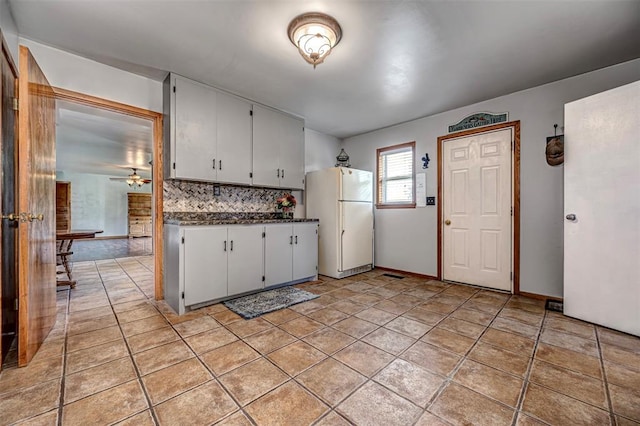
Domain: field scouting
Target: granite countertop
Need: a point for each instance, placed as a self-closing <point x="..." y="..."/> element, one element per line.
<point x="208" y="218"/>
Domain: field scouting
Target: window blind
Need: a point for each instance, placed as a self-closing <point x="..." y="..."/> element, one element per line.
<point x="395" y="176"/>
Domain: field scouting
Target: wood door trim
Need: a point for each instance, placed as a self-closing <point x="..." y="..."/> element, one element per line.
<point x="515" y="125"/>
<point x="23" y="182"/>
<point x="7" y="53"/>
<point x="14" y="70"/>
<point x="158" y="158"/>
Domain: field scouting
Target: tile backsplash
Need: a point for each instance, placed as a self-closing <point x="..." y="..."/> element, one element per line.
<point x="188" y="196"/>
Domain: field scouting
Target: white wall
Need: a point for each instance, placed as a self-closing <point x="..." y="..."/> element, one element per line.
<point x="9" y="29"/>
<point x="73" y="72"/>
<point x="406" y="239"/>
<point x="98" y="202"/>
<point x="320" y="150"/>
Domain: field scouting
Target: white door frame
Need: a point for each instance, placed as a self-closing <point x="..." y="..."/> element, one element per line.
<point x="515" y="180"/>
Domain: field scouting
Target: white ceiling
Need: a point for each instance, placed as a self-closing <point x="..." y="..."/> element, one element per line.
<point x="96" y="141"/>
<point x="398" y="60"/>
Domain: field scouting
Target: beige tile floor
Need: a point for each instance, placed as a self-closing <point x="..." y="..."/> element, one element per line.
<point x="372" y="350"/>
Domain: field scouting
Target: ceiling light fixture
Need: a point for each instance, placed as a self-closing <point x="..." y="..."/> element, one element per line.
<point x="135" y="179"/>
<point x="314" y="34"/>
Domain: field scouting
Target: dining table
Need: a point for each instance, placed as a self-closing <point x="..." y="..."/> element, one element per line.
<point x="64" y="244"/>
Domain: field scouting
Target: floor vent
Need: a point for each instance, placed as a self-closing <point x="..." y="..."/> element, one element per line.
<point x="554" y="305"/>
<point x="400" y="277"/>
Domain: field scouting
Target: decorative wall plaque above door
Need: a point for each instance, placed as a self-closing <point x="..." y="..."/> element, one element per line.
<point x="479" y="119"/>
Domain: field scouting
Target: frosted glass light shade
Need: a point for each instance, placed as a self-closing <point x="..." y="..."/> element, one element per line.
<point x="314" y="34"/>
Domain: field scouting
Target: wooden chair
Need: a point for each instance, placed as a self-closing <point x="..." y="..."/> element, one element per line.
<point x="63" y="258"/>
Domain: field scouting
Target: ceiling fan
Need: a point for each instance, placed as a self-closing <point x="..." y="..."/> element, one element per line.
<point x="134" y="179"/>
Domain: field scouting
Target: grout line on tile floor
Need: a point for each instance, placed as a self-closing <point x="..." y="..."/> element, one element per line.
<point x="125" y="269"/>
<point x="525" y="384"/>
<point x="64" y="356"/>
<point x="604" y="377"/>
<point x="449" y="378"/>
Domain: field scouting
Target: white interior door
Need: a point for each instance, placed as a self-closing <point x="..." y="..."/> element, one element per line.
<point x="356" y="247"/>
<point x="601" y="188"/>
<point x="476" y="228"/>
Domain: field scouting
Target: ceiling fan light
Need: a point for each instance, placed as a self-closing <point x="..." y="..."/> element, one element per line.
<point x="315" y="35"/>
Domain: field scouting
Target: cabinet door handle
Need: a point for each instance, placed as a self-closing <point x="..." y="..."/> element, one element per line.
<point x="214" y="164"/>
<point x="291" y="239"/>
<point x="296" y="239"/>
<point x="225" y="245"/>
<point x="231" y="245"/>
<point x="278" y="173"/>
<point x="220" y="164"/>
<point x="282" y="173"/>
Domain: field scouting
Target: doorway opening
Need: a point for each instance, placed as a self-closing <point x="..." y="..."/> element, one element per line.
<point x="149" y="169"/>
<point x="479" y="207"/>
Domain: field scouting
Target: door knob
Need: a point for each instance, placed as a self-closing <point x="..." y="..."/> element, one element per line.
<point x="447" y="222"/>
<point x="31" y="217"/>
<point x="571" y="217"/>
<point x="11" y="216"/>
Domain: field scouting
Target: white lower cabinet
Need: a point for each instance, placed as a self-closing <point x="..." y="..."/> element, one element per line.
<point x="244" y="264"/>
<point x="291" y="252"/>
<point x="205" y="264"/>
<point x="209" y="263"/>
<point x="305" y="250"/>
<point x="278" y="254"/>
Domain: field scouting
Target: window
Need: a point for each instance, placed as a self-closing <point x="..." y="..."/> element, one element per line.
<point x="396" y="177"/>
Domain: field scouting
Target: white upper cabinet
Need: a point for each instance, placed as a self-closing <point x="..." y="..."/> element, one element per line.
<point x="207" y="133"/>
<point x="193" y="138"/>
<point x="278" y="149"/>
<point x="291" y="153"/>
<point x="266" y="147"/>
<point x="234" y="139"/>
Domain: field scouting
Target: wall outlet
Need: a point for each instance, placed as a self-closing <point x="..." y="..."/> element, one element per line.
<point x="216" y="190"/>
<point x="431" y="201"/>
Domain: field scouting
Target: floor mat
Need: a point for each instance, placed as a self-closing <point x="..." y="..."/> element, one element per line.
<point x="254" y="305"/>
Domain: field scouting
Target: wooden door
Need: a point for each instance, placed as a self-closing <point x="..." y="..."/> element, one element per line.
<point x="476" y="209"/>
<point x="36" y="196"/>
<point x="63" y="206"/>
<point x="602" y="209"/>
<point x="8" y="229"/>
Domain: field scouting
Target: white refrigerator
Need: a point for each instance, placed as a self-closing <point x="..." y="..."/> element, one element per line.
<point x="342" y="198"/>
